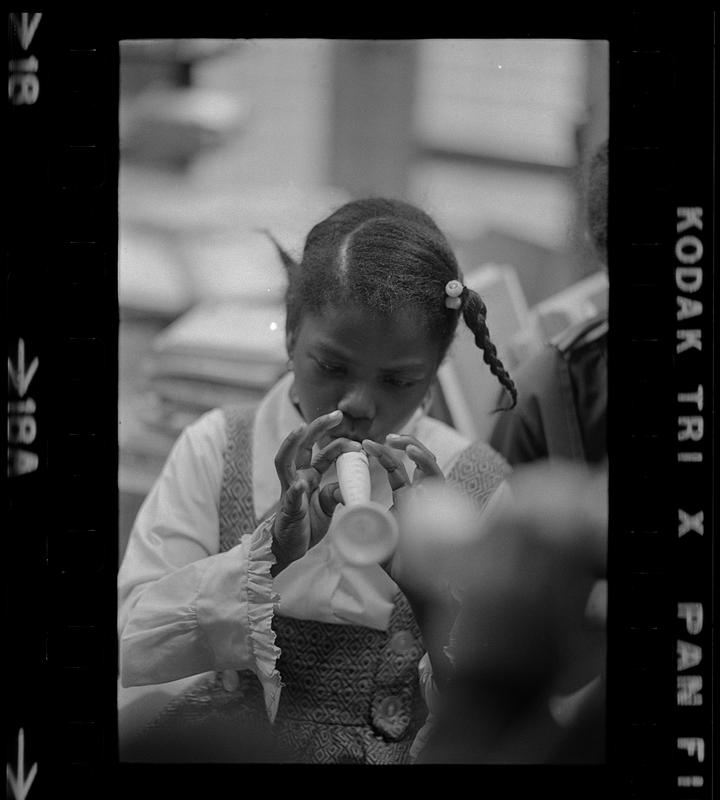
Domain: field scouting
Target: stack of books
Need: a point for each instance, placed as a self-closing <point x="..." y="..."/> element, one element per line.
<point x="220" y="352"/>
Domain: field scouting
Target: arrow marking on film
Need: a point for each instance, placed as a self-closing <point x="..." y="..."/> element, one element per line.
<point x="20" y="378"/>
<point x="20" y="785"/>
<point x="26" y="26"/>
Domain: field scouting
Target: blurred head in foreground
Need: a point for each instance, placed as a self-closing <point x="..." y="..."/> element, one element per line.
<point x="530" y="629"/>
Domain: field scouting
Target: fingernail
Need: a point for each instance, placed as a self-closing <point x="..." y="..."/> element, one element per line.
<point x="393" y="436"/>
<point x="337" y="414"/>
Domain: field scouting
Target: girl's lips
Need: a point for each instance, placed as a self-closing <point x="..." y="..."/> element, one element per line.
<point x="332" y="436"/>
<point x="355" y="437"/>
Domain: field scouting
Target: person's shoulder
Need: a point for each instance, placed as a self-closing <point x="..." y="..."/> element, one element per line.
<point x="582" y="334"/>
<point x="533" y="371"/>
<point x="478" y="471"/>
<point x="200" y="444"/>
<point x="239" y="414"/>
<point x="207" y="422"/>
<point x="485" y="455"/>
<point x="208" y="436"/>
<point x="238" y="423"/>
<point x="454" y="448"/>
<point x="206" y="433"/>
<point x="212" y="428"/>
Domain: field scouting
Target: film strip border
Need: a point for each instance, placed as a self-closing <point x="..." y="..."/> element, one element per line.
<point x="694" y="398"/>
<point x="61" y="330"/>
<point x="661" y="228"/>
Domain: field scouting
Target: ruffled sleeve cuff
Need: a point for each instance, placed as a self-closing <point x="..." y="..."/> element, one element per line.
<point x="262" y="604"/>
<point x="235" y="606"/>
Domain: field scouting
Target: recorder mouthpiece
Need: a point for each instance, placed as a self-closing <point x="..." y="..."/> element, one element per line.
<point x="364" y="531"/>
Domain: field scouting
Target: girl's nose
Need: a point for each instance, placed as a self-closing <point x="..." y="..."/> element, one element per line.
<point x="358" y="403"/>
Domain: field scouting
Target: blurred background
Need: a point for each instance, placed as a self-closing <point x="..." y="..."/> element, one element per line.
<point x="221" y="140"/>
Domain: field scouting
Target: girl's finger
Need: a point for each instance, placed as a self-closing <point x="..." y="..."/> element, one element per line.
<point x="426" y="463"/>
<point x="327" y="456"/>
<point x="401" y="441"/>
<point x="397" y="474"/>
<point x="329" y="497"/>
<point x="290" y="525"/>
<point x="319" y="426"/>
<point x="291" y="504"/>
<point x="416" y="450"/>
<point x="285" y="458"/>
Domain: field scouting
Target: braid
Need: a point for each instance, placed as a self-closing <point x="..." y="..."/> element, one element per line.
<point x="474" y="313"/>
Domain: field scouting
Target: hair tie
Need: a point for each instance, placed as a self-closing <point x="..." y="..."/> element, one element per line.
<point x="453" y="290"/>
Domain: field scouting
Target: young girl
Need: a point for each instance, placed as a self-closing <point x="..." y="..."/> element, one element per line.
<point x="228" y="574"/>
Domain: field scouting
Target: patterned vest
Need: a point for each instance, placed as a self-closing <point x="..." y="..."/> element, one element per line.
<point x="350" y="694"/>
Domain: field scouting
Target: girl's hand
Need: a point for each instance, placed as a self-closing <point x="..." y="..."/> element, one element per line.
<point x="304" y="511"/>
<point x="403" y="488"/>
<point x="426" y="465"/>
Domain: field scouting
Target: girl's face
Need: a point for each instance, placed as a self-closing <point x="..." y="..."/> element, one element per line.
<point x="376" y="370"/>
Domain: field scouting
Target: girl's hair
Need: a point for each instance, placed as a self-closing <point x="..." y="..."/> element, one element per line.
<point x="387" y="256"/>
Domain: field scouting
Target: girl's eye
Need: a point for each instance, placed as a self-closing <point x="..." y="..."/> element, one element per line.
<point x="399" y="383"/>
<point x="330" y="369"/>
